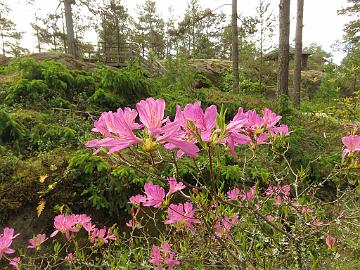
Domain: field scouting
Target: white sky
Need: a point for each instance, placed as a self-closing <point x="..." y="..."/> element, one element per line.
<point x="321" y="22"/>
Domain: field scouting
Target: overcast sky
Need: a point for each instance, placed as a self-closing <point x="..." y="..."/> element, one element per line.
<point x="321" y="22"/>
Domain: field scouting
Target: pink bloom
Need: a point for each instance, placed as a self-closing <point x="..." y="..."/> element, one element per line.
<point x="233" y="194"/>
<point x="330" y="241"/>
<point x="69" y="224"/>
<point x="248" y="196"/>
<point x="173" y="137"/>
<point x="254" y="120"/>
<point x="154" y="195"/>
<point x="236" y="139"/>
<point x="269" y="218"/>
<point x="156" y="257"/>
<point x="174" y="186"/>
<point x="137" y="199"/>
<point x="183" y="213"/>
<point x="151" y="113"/>
<point x="6" y="239"/>
<point x="315" y="222"/>
<point x="116" y="129"/>
<point x="305" y="210"/>
<point x="70" y="257"/>
<point x="204" y="121"/>
<point x="101" y="235"/>
<point x="15" y="262"/>
<point x="37" y="240"/>
<point x="270" y="118"/>
<point x="163" y="256"/>
<point x="351" y="144"/>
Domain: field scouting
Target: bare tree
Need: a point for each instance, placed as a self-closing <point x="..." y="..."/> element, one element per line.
<point x="235" y="48"/>
<point x="298" y="52"/>
<point x="284" y="47"/>
<point x="69" y="27"/>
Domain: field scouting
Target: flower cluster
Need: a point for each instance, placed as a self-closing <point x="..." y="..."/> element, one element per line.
<point x="6" y="239"/>
<point x="70" y="224"/>
<point x="155" y="195"/>
<point x="223" y="227"/>
<point x="190" y="128"/>
<point x="236" y="193"/>
<point x="351" y="144"/>
<point x="279" y="193"/>
<point x="163" y="256"/>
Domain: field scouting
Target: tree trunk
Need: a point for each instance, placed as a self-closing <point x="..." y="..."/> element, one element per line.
<point x="298" y="53"/>
<point x="283" y="61"/>
<point x="235" y="48"/>
<point x="69" y="27"/>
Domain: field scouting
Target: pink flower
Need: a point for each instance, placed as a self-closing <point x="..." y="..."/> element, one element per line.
<point x="155" y="195"/>
<point x="70" y="257"/>
<point x="6" y="239"/>
<point x="279" y="192"/>
<point x="163" y="256"/>
<point x="204" y="121"/>
<point x="173" y="137"/>
<point x="315" y="222"/>
<point x="15" y="262"/>
<point x="151" y="113"/>
<point x="137" y="199"/>
<point x="182" y="213"/>
<point x="235" y="139"/>
<point x="174" y="186"/>
<point x="248" y="196"/>
<point x="270" y="118"/>
<point x="222" y="229"/>
<point x="37" y="240"/>
<point x="101" y="236"/>
<point x="351" y="144"/>
<point x="69" y="224"/>
<point x="117" y="130"/>
<point x="156" y="257"/>
<point x="233" y="194"/>
<point x="330" y="241"/>
<point x="269" y="218"/>
<point x="305" y="210"/>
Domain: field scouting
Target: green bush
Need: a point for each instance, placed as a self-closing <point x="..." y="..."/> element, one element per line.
<point x="10" y="129"/>
<point x="105" y="100"/>
<point x="27" y="92"/>
<point x="48" y="136"/>
<point x="129" y="82"/>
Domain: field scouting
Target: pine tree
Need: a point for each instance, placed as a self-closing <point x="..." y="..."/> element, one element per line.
<point x="10" y="37"/>
<point x="150" y="29"/>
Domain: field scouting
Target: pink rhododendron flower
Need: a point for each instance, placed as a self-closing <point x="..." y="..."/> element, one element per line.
<point x="351" y="144"/>
<point x="316" y="222"/>
<point x="204" y="121"/>
<point x="69" y="224"/>
<point x="163" y="256"/>
<point x="117" y="131"/>
<point x="6" y="239"/>
<point x="37" y="240"/>
<point x="137" y="199"/>
<point x="270" y="118"/>
<point x="248" y="196"/>
<point x="233" y="194"/>
<point x="70" y="257"/>
<point x="279" y="192"/>
<point x="182" y="213"/>
<point x="101" y="236"/>
<point x="155" y="195"/>
<point x="269" y="218"/>
<point x="174" y="186"/>
<point x="330" y="241"/>
<point x="223" y="228"/>
<point x="15" y="263"/>
<point x="156" y="257"/>
<point x="151" y="113"/>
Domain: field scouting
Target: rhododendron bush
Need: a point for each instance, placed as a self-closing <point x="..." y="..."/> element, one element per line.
<point x="201" y="221"/>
